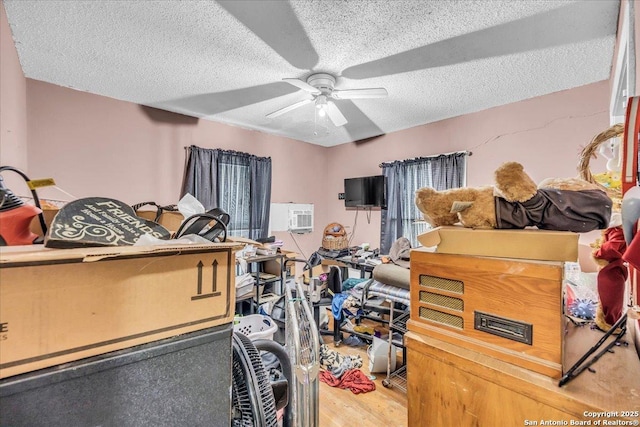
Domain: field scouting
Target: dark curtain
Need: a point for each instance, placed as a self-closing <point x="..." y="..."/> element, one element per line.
<point x="239" y="183"/>
<point x="260" y="184"/>
<point x="200" y="177"/>
<point x="403" y="179"/>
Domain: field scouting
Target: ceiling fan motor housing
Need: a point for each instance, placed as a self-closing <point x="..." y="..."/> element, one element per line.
<point x="323" y="82"/>
<point x="321" y="87"/>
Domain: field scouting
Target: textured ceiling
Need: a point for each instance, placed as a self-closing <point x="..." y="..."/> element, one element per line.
<point x="225" y="60"/>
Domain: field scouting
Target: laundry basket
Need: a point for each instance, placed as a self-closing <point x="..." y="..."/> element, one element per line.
<point x="335" y="237"/>
<point x="255" y="326"/>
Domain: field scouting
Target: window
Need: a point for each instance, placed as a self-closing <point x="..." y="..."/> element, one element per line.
<point x="234" y="180"/>
<point x="238" y="183"/>
<point x="402" y="218"/>
<point x="625" y="73"/>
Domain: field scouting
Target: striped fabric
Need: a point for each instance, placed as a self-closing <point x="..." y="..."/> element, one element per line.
<point x="377" y="289"/>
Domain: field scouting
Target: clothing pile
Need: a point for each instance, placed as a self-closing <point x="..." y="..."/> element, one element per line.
<point x="333" y="361"/>
<point x="353" y="379"/>
<point x="342" y="371"/>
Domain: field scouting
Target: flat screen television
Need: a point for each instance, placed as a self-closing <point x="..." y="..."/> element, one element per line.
<point x="366" y="191"/>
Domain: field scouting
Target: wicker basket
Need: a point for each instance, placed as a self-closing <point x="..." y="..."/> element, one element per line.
<point x="335" y="237"/>
<point x="590" y="152"/>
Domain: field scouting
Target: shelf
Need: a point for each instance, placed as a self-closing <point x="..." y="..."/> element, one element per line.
<point x="397" y="379"/>
<point x="400" y="323"/>
<point x="398" y="343"/>
<point x="245" y="297"/>
<point x="397" y="329"/>
<point x="366" y="337"/>
<point x="264" y="281"/>
<point x="266" y="285"/>
<point x="265" y="298"/>
<point x="261" y="258"/>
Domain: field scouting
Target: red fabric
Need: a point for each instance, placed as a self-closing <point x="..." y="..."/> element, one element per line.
<point x="612" y="277"/>
<point x="353" y="379"/>
<point x="632" y="256"/>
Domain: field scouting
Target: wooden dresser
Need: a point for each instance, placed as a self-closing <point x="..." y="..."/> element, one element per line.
<point x="510" y="309"/>
<point x="487" y="345"/>
<point x="450" y="385"/>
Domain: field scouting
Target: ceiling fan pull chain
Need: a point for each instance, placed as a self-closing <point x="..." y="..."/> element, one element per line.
<point x="315" y="122"/>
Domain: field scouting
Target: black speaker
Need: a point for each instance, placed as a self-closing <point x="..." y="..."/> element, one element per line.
<point x="180" y="381"/>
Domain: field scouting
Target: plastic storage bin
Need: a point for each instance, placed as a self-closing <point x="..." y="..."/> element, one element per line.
<point x="255" y="326"/>
<point x="378" y="353"/>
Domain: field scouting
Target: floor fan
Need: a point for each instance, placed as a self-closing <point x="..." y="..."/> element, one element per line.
<point x="253" y="404"/>
<point x="258" y="395"/>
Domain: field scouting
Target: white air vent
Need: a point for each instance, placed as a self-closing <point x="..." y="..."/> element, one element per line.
<point x="301" y="221"/>
<point x="292" y="217"/>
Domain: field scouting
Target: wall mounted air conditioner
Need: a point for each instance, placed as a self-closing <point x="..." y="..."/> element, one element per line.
<point x="291" y="217"/>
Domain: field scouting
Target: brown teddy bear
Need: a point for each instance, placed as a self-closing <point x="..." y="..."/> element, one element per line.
<point x="515" y="201"/>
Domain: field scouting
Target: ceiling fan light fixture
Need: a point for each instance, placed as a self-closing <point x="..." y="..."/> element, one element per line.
<point x="321" y="105"/>
<point x="322" y="87"/>
<point x="321" y="102"/>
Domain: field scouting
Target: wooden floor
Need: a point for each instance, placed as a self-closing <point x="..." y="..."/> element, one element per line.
<point x="384" y="407"/>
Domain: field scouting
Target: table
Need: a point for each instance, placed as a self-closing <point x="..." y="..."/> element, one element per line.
<point x="358" y="264"/>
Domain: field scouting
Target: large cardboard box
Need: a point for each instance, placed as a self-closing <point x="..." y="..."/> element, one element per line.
<point x="61" y="305"/>
<point x="510" y="309"/>
<point x="530" y="244"/>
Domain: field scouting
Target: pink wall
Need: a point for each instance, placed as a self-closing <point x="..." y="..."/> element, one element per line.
<point x="13" y="111"/>
<point x="545" y="134"/>
<point x="94" y="145"/>
<point x="98" y="146"/>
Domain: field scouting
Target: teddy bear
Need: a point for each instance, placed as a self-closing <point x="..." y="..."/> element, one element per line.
<point x="515" y="201"/>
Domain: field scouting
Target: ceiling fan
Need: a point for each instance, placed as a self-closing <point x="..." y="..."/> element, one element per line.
<point x="321" y="87"/>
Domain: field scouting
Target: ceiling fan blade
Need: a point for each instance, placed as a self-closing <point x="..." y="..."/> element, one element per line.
<point x="360" y="93"/>
<point x="360" y="126"/>
<point x="335" y="115"/>
<point x="276" y="23"/>
<point x="209" y="104"/>
<point x="289" y="108"/>
<point x="513" y="37"/>
<point x="303" y="85"/>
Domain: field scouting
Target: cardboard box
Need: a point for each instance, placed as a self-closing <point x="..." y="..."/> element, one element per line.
<point x="61" y="305"/>
<point x="531" y="244"/>
<point x="323" y="267"/>
<point x="169" y="220"/>
<point x="274" y="266"/>
<point x="506" y="308"/>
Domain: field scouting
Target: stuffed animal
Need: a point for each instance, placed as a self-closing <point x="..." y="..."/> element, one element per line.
<point x="612" y="276"/>
<point x="515" y="201"/>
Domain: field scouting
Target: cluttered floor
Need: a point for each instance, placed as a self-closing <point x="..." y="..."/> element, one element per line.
<point x="340" y="407"/>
